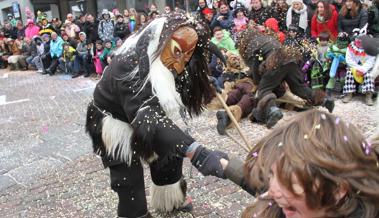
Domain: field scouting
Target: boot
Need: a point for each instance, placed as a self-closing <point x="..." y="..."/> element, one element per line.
<point x="369" y="100"/>
<point x="328" y="104"/>
<point x="347" y="98"/>
<point x="223" y="121"/>
<point x="273" y="116"/>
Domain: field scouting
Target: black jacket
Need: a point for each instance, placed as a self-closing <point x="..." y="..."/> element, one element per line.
<point x="348" y="23"/>
<point x="121" y="30"/>
<point x="91" y="31"/>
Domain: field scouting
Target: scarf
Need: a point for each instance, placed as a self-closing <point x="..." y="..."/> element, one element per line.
<point x="303" y="22"/>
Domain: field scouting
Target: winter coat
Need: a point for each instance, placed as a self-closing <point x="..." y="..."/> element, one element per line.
<point x="31" y="31"/>
<point x="373" y="19"/>
<point x="348" y="23"/>
<point x="91" y="30"/>
<point x="106" y="28"/>
<point x="226" y="42"/>
<point x="70" y="54"/>
<point x="56" y="47"/>
<point x="330" y="26"/>
<point x="260" y="16"/>
<point x="121" y="30"/>
<point x="225" y="23"/>
<point x="105" y="54"/>
<point x="296" y="20"/>
<point x="11" y="33"/>
<point x="240" y="24"/>
<point x="82" y="48"/>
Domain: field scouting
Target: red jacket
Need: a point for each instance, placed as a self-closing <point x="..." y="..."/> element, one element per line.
<point x="330" y="26"/>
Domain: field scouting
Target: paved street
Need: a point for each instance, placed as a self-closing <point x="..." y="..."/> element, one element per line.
<point x="47" y="168"/>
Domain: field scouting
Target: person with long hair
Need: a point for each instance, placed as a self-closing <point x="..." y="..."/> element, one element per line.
<point x="317" y="165"/>
<point x="299" y="15"/>
<point x="352" y="16"/>
<point x="325" y="19"/>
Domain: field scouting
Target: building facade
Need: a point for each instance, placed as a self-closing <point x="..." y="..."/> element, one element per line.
<point x="60" y="8"/>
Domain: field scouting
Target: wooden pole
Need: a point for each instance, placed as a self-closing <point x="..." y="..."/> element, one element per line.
<point x="233" y="119"/>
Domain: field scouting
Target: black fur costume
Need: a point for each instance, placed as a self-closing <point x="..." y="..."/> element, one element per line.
<point x="130" y="116"/>
<point x="270" y="65"/>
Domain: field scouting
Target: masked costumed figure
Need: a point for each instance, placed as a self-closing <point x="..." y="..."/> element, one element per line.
<point x="159" y="71"/>
<point x="238" y="91"/>
<point x="271" y="64"/>
<point x="359" y="65"/>
<point x="335" y="58"/>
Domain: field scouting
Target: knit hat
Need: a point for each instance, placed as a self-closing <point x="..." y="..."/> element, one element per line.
<point x="83" y="33"/>
<point x="240" y="9"/>
<point x="298" y="1"/>
<point x="29" y="21"/>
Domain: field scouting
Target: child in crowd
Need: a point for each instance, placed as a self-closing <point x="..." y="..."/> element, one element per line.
<point x="67" y="60"/>
<point x="96" y="58"/>
<point x="336" y="63"/>
<point x="300" y="169"/>
<point x="105" y="57"/>
<point x="322" y="46"/>
<point x="240" y="20"/>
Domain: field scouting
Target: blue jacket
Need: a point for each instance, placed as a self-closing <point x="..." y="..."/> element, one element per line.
<point x="56" y="47"/>
<point x="225" y="23"/>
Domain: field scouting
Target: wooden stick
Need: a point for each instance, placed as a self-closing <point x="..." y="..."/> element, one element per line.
<point x="236" y="141"/>
<point x="233" y="119"/>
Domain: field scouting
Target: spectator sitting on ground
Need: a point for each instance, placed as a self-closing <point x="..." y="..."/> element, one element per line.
<point x="240" y="20"/>
<point x="15" y="50"/>
<point x="80" y="63"/>
<point x="221" y="38"/>
<point x="45" y="57"/>
<point x="37" y="50"/>
<point x="20" y="30"/>
<point x="352" y="16"/>
<point x="26" y="45"/>
<point x="224" y="18"/>
<point x="71" y="41"/>
<point x="4" y="53"/>
<point x="96" y="58"/>
<point x="299" y="15"/>
<point x="325" y="19"/>
<point x="106" y="26"/>
<point x="373" y="19"/>
<point x="106" y="55"/>
<point x="10" y="31"/>
<point x="31" y="29"/>
<point x="56" y="52"/>
<point x="67" y="60"/>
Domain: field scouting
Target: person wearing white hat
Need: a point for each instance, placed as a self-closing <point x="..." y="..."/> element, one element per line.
<point x="299" y="15"/>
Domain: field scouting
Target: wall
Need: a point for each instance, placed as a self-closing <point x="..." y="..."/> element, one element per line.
<point x="22" y="4"/>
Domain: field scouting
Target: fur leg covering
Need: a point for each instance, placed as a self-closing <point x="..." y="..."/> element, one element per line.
<point x="237" y="113"/>
<point x="318" y="97"/>
<point x="259" y="113"/>
<point x="292" y="99"/>
<point x="166" y="198"/>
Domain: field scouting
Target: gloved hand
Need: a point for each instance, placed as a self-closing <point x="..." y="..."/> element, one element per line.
<point x="208" y="162"/>
<point x="213" y="82"/>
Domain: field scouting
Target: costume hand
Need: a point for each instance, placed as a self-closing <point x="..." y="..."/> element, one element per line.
<point x="208" y="162"/>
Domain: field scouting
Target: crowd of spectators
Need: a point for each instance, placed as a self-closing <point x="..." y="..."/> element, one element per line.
<point x="84" y="45"/>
